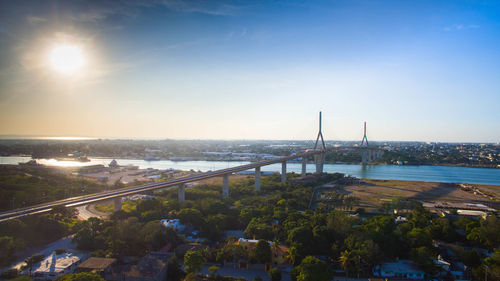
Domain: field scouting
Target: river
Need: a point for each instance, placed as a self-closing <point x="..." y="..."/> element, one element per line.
<point x="384" y="172"/>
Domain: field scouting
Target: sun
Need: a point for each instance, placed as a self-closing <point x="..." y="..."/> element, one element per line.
<point x="67" y="59"/>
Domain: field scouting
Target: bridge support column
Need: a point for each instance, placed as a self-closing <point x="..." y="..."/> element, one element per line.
<point x="117" y="202"/>
<point x="363" y="157"/>
<point x="257" y="178"/>
<point x="319" y="159"/>
<point x="283" y="172"/>
<point x="304" y="162"/>
<point x="225" y="186"/>
<point x="181" y="190"/>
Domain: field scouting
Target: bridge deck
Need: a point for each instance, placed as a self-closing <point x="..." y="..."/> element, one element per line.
<point x="102" y="196"/>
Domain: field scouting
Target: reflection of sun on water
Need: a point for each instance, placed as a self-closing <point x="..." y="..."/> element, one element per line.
<point x="67" y="59"/>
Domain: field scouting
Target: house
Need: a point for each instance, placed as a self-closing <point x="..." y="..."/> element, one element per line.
<point x="188" y="231"/>
<point x="147" y="269"/>
<point x="56" y="265"/>
<point x="164" y="253"/>
<point x="174" y="224"/>
<point x="279" y="252"/>
<point x="403" y="269"/>
<point x="441" y="263"/>
<point x="182" y="249"/>
<point x="102" y="266"/>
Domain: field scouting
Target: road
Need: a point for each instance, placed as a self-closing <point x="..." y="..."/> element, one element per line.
<point x="107" y="195"/>
<point x="85" y="212"/>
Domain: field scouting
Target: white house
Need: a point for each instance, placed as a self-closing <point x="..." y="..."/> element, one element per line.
<point x="56" y="265"/>
<point x="173" y="223"/>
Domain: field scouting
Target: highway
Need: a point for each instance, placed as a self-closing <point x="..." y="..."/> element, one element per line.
<point x="107" y="195"/>
<point x="102" y="196"/>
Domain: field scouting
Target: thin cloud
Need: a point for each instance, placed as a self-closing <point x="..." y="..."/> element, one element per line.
<point x="459" y="27"/>
<point x="33" y="20"/>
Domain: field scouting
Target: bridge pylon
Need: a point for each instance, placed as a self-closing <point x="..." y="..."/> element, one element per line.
<point x="364" y="152"/>
<point x="319" y="159"/>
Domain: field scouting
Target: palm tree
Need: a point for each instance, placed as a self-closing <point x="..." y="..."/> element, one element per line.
<point x="291" y="254"/>
<point x="346" y="259"/>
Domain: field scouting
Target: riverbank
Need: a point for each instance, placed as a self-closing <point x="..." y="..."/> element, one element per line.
<point x="450" y="174"/>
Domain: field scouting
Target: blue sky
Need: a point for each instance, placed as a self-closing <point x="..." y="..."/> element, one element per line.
<point x="414" y="70"/>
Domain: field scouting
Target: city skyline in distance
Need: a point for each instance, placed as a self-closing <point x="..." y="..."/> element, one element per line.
<point x="251" y="70"/>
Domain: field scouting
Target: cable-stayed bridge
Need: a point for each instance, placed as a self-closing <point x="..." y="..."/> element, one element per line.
<point x="318" y="153"/>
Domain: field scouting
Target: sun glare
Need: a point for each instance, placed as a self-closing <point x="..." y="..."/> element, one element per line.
<point x="67" y="59"/>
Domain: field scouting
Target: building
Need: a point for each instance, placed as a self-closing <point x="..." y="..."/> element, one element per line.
<point x="187" y="231"/>
<point x="55" y="265"/>
<point x="147" y="269"/>
<point x="183" y="248"/>
<point x="102" y="266"/>
<point x="91" y="169"/>
<point x="278" y="251"/>
<point x="403" y="269"/>
<point x="173" y="223"/>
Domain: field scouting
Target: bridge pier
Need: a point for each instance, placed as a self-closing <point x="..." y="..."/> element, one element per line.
<point x="181" y="190"/>
<point x="319" y="159"/>
<point x="257" y="178"/>
<point x="117" y="202"/>
<point x="363" y="157"/>
<point x="304" y="162"/>
<point x="225" y="186"/>
<point x="283" y="172"/>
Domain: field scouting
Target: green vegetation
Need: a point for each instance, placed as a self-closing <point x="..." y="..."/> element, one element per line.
<point x="278" y="213"/>
<point x="22" y="186"/>
<point x="194" y="261"/>
<point x="84" y="276"/>
<point x="312" y="269"/>
<point x="275" y="274"/>
<point x="34" y="230"/>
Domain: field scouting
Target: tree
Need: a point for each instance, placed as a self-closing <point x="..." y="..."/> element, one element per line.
<point x="88" y="235"/>
<point x="424" y="258"/>
<point x="34" y="259"/>
<point x="193" y="261"/>
<point x="7" y="247"/>
<point x="292" y="254"/>
<point x="303" y="235"/>
<point x="213" y="270"/>
<point x="262" y="252"/>
<point x="174" y="271"/>
<point x="275" y="274"/>
<point x="347" y="261"/>
<point x="492" y="265"/>
<point x="155" y="235"/>
<point x="191" y="216"/>
<point x="146" y="205"/>
<point x="84" y="276"/>
<point x="313" y="269"/>
<point x="259" y="229"/>
<point x="63" y="211"/>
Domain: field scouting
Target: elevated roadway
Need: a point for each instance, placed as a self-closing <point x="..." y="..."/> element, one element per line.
<point x="179" y="182"/>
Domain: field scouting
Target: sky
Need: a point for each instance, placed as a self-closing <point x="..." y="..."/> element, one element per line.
<point x="413" y="70"/>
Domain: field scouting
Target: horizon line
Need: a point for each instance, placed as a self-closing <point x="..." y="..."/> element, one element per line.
<point x="86" y="138"/>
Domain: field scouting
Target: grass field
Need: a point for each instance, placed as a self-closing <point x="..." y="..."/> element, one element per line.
<point x="374" y="192"/>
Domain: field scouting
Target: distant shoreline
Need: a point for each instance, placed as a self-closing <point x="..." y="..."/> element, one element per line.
<point x="239" y="160"/>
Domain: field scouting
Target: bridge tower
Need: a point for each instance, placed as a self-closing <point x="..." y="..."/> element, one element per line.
<point x="319" y="159"/>
<point x="366" y="152"/>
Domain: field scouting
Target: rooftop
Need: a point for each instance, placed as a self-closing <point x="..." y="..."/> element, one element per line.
<point x="402" y="266"/>
<point x="97" y="263"/>
<point x="56" y="263"/>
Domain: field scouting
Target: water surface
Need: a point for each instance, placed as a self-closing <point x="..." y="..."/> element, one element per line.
<point x="384" y="172"/>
